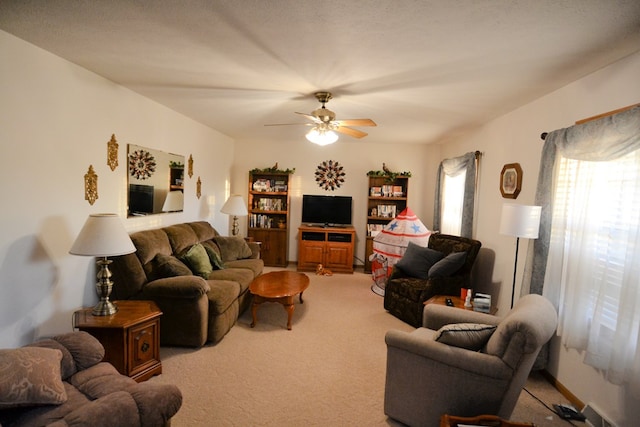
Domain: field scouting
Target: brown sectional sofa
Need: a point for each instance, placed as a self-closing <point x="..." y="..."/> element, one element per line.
<point x="195" y="309"/>
<point x="61" y="382"/>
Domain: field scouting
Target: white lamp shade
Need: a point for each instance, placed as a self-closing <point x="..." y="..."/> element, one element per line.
<point x="235" y="205"/>
<point x="321" y="136"/>
<point x="174" y="202"/>
<point x="102" y="235"/>
<point x="520" y="220"/>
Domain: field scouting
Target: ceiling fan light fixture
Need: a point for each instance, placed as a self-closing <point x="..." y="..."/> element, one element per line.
<point x="321" y="136"/>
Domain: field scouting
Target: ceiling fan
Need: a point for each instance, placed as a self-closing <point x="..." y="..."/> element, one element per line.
<point x="325" y="124"/>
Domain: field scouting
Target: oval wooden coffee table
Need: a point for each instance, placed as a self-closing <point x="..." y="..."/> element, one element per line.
<point x="278" y="286"/>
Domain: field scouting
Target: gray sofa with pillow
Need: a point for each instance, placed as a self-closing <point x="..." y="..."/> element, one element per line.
<point x="442" y="268"/>
<point x="62" y="382"/>
<point x="464" y="362"/>
<point x="199" y="279"/>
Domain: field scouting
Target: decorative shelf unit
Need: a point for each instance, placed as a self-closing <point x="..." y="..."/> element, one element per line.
<point x="386" y="199"/>
<point x="269" y="215"/>
<point x="176" y="178"/>
<point x="330" y="246"/>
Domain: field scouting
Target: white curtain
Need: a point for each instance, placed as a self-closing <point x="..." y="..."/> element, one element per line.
<point x="592" y="241"/>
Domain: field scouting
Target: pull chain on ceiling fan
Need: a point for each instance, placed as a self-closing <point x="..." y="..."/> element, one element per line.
<point x="325" y="124"/>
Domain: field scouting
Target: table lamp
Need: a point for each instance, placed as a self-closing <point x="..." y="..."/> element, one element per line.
<point x="174" y="201"/>
<point x="235" y="206"/>
<point x="519" y="221"/>
<point x="103" y="235"/>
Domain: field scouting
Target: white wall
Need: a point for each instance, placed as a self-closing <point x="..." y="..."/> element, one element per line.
<point x="55" y="121"/>
<point x="357" y="158"/>
<point x="515" y="137"/>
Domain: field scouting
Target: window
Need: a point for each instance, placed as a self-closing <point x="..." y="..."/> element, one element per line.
<point x="594" y="261"/>
<point x="452" y="201"/>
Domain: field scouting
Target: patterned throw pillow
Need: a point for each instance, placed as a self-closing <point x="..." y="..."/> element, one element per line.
<point x="472" y="336"/>
<point x="197" y="259"/>
<point x="417" y="260"/>
<point x="30" y="376"/>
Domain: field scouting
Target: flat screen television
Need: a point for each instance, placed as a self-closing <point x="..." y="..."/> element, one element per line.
<point x="332" y="211"/>
<point x="140" y="199"/>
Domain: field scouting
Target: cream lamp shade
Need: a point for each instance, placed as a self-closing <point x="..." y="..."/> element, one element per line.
<point x="103" y="235"/>
<point x="174" y="201"/>
<point x="235" y="206"/>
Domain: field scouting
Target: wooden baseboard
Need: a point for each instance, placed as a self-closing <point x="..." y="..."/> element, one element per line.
<point x="562" y="389"/>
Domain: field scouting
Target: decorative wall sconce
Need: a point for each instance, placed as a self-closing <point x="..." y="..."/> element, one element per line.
<point x="190" y="167"/>
<point x="198" y="188"/>
<point x="112" y="153"/>
<point x="91" y="186"/>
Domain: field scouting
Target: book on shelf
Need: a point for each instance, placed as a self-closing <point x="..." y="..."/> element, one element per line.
<point x="397" y="191"/>
<point x="260" y="221"/>
<point x="387" y="190"/>
<point x="374" y="229"/>
<point x="375" y="191"/>
<point x="269" y="204"/>
<point x="269" y="185"/>
<point x="387" y="211"/>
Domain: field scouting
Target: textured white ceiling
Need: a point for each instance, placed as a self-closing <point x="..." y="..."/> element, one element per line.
<point x="422" y="70"/>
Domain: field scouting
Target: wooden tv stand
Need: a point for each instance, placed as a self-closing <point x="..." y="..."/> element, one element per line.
<point x="332" y="247"/>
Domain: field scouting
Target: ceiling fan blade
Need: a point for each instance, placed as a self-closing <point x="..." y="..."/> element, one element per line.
<point x="310" y="117"/>
<point x="290" y="124"/>
<point x="355" y="122"/>
<point x="351" y="132"/>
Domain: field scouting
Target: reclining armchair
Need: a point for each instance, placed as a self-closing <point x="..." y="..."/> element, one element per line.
<point x="414" y="280"/>
<point x="464" y="363"/>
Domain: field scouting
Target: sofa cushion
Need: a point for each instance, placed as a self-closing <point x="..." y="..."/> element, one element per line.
<point x="168" y="266"/>
<point x="31" y="376"/>
<point x="197" y="259"/>
<point x="149" y="243"/>
<point x="181" y="237"/>
<point x="448" y="265"/>
<point x="256" y="265"/>
<point x="417" y="260"/>
<point x="472" y="336"/>
<point x="222" y="294"/>
<point x="242" y="276"/>
<point x="232" y="248"/>
<point x="204" y="230"/>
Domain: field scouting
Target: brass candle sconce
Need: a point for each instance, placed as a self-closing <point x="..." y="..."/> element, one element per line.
<point x="112" y="153"/>
<point x="91" y="186"/>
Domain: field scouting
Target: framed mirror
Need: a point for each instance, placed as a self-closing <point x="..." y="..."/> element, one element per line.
<point x="155" y="181"/>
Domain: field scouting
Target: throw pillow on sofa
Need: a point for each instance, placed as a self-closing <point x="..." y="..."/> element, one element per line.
<point x="471" y="336"/>
<point x="197" y="259"/>
<point x="232" y="248"/>
<point x="31" y="376"/>
<point x="168" y="266"/>
<point x="214" y="256"/>
<point x="417" y="260"/>
<point x="448" y="265"/>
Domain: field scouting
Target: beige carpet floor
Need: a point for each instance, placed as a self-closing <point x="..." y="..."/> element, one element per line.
<point x="329" y="370"/>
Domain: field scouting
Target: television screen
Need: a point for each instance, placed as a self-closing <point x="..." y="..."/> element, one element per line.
<point x="140" y="199"/>
<point x="326" y="210"/>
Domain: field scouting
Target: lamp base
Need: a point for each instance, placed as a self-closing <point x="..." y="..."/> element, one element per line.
<point x="103" y="287"/>
<point x="104" y="308"/>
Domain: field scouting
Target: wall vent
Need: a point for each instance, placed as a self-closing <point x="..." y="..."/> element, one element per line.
<point x="595" y="417"/>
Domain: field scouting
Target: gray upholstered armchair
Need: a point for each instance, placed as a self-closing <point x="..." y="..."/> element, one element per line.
<point x="431" y="373"/>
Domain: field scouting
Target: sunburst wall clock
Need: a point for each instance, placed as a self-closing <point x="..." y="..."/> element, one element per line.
<point x="142" y="164"/>
<point x="330" y="175"/>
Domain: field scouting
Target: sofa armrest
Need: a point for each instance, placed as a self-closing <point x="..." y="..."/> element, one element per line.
<point x="435" y="316"/>
<point x="451" y="359"/>
<point x="255" y="249"/>
<point x="175" y="287"/>
<point x="157" y="403"/>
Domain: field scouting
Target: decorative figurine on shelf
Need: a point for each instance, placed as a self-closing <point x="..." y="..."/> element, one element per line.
<point x="467" y="300"/>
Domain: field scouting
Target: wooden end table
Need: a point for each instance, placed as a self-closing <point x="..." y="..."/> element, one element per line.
<point x="278" y="286"/>
<point x="457" y="302"/>
<point x="130" y="337"/>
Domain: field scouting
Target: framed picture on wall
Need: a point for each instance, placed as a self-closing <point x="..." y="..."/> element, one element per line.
<point x="511" y="180"/>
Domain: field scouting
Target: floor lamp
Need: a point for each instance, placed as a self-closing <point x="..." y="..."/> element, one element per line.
<point x="519" y="221"/>
<point x="235" y="206"/>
